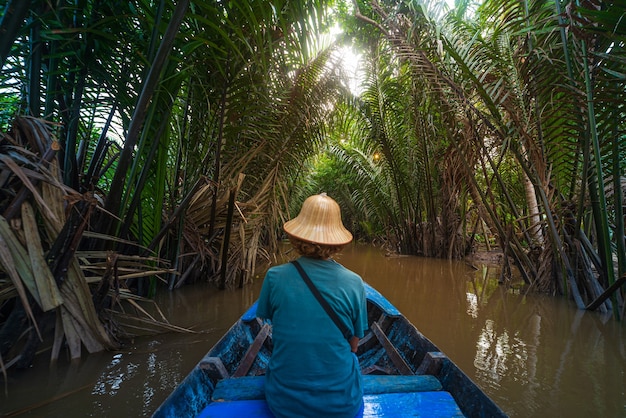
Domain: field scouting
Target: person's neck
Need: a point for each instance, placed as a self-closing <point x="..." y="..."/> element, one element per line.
<point x="316" y="258"/>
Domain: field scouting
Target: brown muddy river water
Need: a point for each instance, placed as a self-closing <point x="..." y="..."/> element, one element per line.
<point x="535" y="355"/>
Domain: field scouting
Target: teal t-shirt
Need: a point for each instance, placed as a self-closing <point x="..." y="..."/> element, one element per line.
<point x="312" y="372"/>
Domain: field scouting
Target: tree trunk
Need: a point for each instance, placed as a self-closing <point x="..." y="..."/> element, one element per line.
<point x="533" y="212"/>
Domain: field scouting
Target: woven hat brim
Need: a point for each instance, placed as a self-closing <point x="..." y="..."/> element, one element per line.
<point x="317" y="235"/>
<point x="324" y="236"/>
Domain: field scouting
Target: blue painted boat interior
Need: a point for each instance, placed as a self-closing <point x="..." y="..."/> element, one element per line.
<point x="384" y="396"/>
<point x="253" y="387"/>
<point x="412" y="404"/>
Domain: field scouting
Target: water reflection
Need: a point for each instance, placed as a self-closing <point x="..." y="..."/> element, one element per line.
<point x="542" y="357"/>
<point x="535" y="355"/>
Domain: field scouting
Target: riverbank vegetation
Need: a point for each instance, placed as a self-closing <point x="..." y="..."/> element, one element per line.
<point x="148" y="145"/>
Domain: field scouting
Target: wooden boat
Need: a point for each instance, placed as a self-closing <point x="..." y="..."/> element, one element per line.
<point x="404" y="373"/>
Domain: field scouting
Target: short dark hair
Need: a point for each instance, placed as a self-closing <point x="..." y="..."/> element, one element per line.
<point x="310" y="249"/>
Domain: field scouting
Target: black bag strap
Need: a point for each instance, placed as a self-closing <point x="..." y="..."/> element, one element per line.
<point x="333" y="315"/>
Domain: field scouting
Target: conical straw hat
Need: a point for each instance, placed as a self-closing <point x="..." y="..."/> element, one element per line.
<point x="319" y="222"/>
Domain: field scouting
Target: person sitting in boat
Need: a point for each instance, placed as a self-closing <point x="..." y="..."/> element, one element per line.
<point x="314" y="371"/>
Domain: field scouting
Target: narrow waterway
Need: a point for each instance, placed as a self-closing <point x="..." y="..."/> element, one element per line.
<point x="536" y="356"/>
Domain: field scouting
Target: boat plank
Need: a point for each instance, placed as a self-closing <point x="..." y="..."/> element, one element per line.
<point x="379" y="384"/>
<point x="393" y="354"/>
<point x="248" y="409"/>
<point x="412" y="404"/>
<point x="252" y="352"/>
<point x="436" y="404"/>
<point x="253" y="387"/>
<point x="432" y="363"/>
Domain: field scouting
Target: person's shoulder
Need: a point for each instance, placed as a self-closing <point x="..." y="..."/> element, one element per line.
<point x="347" y="272"/>
<point x="279" y="269"/>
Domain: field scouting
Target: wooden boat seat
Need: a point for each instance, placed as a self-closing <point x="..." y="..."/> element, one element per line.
<point x="253" y="387"/>
<point x="433" y="404"/>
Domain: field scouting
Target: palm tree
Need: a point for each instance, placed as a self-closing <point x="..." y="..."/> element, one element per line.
<point x="161" y="109"/>
<point x="511" y="82"/>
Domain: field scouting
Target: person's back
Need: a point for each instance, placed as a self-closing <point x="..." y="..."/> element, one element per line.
<point x="313" y="371"/>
